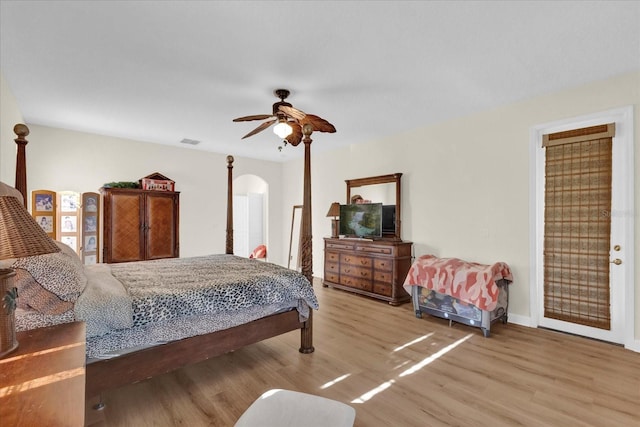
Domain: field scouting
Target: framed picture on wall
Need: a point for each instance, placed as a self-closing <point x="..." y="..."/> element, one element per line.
<point x="68" y="224"/>
<point x="46" y="222"/>
<point x="70" y="241"/>
<point x="44" y="203"/>
<point x="69" y="202"/>
<point x="90" y="244"/>
<point x="90" y="204"/>
<point x="90" y="224"/>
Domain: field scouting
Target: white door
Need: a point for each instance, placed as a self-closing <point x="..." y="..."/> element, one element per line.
<point x="248" y="223"/>
<point x="241" y="226"/>
<point x="621" y="292"/>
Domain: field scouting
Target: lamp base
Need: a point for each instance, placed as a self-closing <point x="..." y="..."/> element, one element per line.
<point x="335" y="228"/>
<point x="8" y="341"/>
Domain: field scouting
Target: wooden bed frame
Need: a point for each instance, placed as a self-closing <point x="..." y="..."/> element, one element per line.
<point x="107" y="374"/>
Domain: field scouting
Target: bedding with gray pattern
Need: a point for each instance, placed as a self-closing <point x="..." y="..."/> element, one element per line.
<point x="141" y="304"/>
<point x="177" y="287"/>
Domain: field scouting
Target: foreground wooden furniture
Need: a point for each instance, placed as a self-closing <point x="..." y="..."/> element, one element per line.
<point x="43" y="381"/>
<point x="373" y="268"/>
<point x="107" y="374"/>
<point x="140" y="225"/>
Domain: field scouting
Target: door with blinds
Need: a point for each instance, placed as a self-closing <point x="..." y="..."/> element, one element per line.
<point x="581" y="285"/>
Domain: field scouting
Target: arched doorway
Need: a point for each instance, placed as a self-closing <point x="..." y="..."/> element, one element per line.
<point x="250" y="208"/>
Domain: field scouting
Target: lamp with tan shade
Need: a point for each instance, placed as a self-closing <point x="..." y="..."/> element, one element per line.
<point x="334" y="211"/>
<point x="20" y="236"/>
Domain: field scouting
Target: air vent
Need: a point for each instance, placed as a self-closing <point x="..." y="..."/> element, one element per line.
<point x="189" y="141"/>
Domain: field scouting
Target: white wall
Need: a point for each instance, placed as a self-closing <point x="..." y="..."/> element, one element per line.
<point x="465" y="183"/>
<point x="60" y="159"/>
<point x="10" y="115"/>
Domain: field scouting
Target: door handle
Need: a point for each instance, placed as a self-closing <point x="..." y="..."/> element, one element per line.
<point x="616" y="261"/>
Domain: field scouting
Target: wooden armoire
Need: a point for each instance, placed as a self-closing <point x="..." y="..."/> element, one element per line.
<point x="140" y="224"/>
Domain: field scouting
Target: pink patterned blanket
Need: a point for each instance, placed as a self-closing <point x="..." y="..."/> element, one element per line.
<point x="469" y="282"/>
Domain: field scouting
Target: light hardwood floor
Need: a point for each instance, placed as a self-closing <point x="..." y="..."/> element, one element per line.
<point x="398" y="370"/>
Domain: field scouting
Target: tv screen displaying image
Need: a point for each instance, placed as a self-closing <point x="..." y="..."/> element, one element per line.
<point x="361" y="220"/>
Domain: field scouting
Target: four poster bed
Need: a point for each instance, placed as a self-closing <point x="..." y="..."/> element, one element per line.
<point x="286" y="300"/>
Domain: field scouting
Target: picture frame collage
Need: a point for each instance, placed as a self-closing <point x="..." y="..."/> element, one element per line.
<point x="71" y="218"/>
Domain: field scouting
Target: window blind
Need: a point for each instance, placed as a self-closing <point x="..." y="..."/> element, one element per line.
<point x="578" y="225"/>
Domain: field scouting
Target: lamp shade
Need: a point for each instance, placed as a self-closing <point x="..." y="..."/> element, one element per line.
<point x="20" y="234"/>
<point x="334" y="210"/>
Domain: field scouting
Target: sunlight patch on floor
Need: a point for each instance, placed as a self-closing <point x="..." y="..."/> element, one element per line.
<point x="368" y="395"/>
<point x="415" y="368"/>
<point x="332" y="382"/>
<point x="434" y="356"/>
<point x="410" y="343"/>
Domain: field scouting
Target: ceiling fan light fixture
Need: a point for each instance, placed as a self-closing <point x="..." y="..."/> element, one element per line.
<point x="282" y="129"/>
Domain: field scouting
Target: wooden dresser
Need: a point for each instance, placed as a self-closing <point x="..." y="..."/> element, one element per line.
<point x="373" y="268"/>
<point x="140" y="224"/>
<point x="42" y="382"/>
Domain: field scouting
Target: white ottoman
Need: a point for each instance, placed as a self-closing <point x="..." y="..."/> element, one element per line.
<point x="284" y="408"/>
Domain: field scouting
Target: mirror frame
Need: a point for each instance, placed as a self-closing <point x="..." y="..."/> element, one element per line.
<point x="382" y="179"/>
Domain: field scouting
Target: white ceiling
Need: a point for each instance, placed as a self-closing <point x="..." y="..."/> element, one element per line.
<point x="167" y="70"/>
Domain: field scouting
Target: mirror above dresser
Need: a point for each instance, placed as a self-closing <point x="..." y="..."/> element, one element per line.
<point x="385" y="189"/>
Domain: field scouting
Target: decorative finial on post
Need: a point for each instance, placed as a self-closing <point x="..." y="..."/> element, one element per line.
<point x="21" y="130"/>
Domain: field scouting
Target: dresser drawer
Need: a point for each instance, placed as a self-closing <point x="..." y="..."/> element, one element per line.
<point x="357" y="261"/>
<point x="382" y="276"/>
<point x="382" y="289"/>
<point x="331" y="256"/>
<point x="344" y="246"/>
<point x="350" y="270"/>
<point x="356" y="282"/>
<point x="382" y="250"/>
<point x="383" y="264"/>
<point x="331" y="277"/>
<point x="331" y="268"/>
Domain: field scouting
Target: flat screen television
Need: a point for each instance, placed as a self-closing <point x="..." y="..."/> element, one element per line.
<point x="361" y="220"/>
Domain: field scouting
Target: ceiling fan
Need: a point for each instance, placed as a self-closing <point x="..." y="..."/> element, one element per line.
<point x="290" y="120"/>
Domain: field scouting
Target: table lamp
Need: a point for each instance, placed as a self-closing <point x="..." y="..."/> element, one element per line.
<point x="334" y="211"/>
<point x="20" y="236"/>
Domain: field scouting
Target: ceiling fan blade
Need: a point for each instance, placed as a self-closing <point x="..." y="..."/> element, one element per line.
<point x="296" y="134"/>
<point x="254" y="117"/>
<point x="319" y="124"/>
<point x="294" y="113"/>
<point x="260" y="128"/>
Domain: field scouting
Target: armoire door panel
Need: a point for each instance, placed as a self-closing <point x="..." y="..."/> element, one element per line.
<point x="161" y="221"/>
<point x="126" y="235"/>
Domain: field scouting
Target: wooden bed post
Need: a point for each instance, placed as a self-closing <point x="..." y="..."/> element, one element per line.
<point x="229" y="248"/>
<point x="306" y="333"/>
<point x="21" y="130"/>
